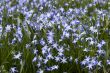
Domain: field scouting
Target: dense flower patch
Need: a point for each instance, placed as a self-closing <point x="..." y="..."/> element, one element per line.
<point x="54" y="36"/>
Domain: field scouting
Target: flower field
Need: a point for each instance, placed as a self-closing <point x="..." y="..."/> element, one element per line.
<point x="54" y="36"/>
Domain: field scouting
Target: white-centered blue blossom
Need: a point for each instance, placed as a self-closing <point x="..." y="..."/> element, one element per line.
<point x="108" y="62"/>
<point x="103" y="42"/>
<point x="84" y="62"/>
<point x="90" y="66"/>
<point x="99" y="63"/>
<point x="13" y="70"/>
<point x="86" y="50"/>
<point x="99" y="45"/>
<point x="87" y="58"/>
<point x="93" y="29"/>
<point x="8" y="28"/>
<point x="49" y="56"/>
<point x="64" y="60"/>
<point x="57" y="58"/>
<point x="34" y="59"/>
<point x="17" y="56"/>
<point x="46" y="60"/>
<point x="40" y="71"/>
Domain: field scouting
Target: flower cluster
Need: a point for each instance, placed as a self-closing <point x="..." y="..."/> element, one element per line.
<point x="39" y="36"/>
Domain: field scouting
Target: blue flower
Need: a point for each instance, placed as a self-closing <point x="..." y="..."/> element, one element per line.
<point x="63" y="60"/>
<point x="40" y="71"/>
<point x="8" y="28"/>
<point x="108" y="62"/>
<point x="17" y="56"/>
<point x="13" y="70"/>
<point x="19" y="34"/>
<point x="90" y="66"/>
